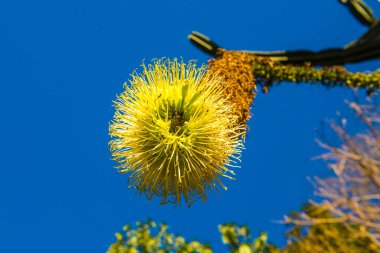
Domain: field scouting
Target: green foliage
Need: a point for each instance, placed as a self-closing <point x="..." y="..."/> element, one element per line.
<point x="148" y="237"/>
<point x="239" y="240"/>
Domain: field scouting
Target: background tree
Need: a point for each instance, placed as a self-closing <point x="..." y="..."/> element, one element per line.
<point x="350" y="198"/>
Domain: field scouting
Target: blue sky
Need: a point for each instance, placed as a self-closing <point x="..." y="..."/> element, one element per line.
<point x="63" y="62"/>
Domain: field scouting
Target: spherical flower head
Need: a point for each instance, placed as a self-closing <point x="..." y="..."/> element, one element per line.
<point x="174" y="131"/>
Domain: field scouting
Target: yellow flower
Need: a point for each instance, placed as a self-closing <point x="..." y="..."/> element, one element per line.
<point x="244" y="248"/>
<point x="174" y="131"/>
<point x="119" y="236"/>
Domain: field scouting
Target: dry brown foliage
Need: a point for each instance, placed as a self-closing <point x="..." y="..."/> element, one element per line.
<point x="352" y="195"/>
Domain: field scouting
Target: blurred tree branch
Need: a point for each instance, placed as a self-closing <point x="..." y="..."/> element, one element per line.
<point x="352" y="196"/>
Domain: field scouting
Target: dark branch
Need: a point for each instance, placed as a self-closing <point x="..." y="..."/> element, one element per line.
<point x="366" y="48"/>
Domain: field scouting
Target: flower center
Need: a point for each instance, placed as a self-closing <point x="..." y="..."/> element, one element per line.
<point x="177" y="120"/>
